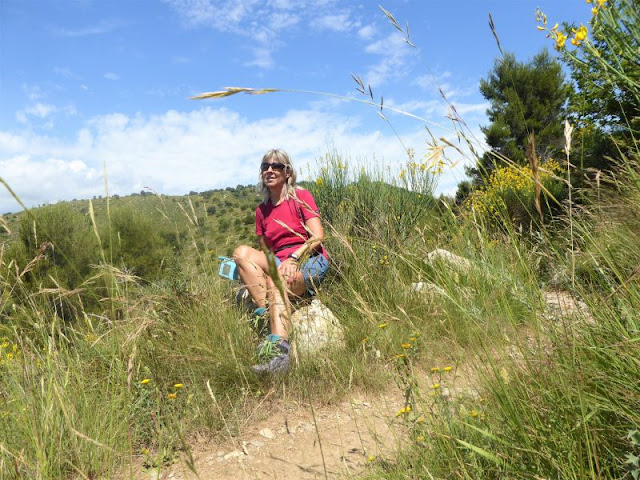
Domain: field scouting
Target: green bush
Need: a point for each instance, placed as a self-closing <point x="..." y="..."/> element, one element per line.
<point x="135" y="244"/>
<point x="65" y="238"/>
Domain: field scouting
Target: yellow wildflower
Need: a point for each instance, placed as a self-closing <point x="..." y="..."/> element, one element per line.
<point x="581" y="33"/>
<point x="172" y="396"/>
<point x="473" y="413"/>
<point x="435" y="369"/>
<point x="371" y="458"/>
<point x="601" y="3"/>
<point x="420" y="438"/>
<point x="406" y="345"/>
<point x="448" y="369"/>
<point x="400" y="355"/>
<point x="145" y="381"/>
<point x="178" y="385"/>
<point x="412" y="339"/>
<point x="435" y="386"/>
<point x="403" y="411"/>
<point x="320" y="181"/>
<point x="561" y="38"/>
<point x="420" y="420"/>
<point x="383" y="325"/>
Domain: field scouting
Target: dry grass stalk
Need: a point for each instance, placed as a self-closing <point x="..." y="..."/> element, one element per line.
<point x="533" y="161"/>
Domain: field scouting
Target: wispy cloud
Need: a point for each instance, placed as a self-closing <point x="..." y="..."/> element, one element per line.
<point x="431" y="81"/>
<point x="267" y="25"/>
<point x="105" y="26"/>
<point x="341" y="22"/>
<point x="66" y="72"/>
<point x="367" y="32"/>
<point x="395" y="60"/>
<point x="111" y="76"/>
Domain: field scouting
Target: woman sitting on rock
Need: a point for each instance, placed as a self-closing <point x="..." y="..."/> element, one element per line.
<point x="288" y="227"/>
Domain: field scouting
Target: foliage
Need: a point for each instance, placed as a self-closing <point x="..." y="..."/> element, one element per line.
<point x="603" y="61"/>
<point x="368" y="204"/>
<point x="524" y="98"/>
<point x="64" y="237"/>
<point x="136" y="246"/>
<point x="509" y="193"/>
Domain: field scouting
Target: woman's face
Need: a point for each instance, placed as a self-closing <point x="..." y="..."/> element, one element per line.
<point x="274" y="174"/>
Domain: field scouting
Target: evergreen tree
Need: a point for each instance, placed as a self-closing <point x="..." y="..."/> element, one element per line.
<point x="605" y="105"/>
<point x="524" y="98"/>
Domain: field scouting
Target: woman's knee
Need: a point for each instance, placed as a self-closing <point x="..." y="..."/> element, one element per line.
<point x="242" y="252"/>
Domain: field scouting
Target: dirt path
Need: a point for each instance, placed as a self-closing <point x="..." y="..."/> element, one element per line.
<point x="336" y="442"/>
<point x="290" y="445"/>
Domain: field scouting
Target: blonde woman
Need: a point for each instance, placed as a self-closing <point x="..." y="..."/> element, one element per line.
<point x="288" y="226"/>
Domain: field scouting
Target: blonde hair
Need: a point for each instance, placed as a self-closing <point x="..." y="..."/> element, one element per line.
<point x="279" y="156"/>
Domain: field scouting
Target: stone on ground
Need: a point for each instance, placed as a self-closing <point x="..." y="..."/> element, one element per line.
<point x="316" y="328"/>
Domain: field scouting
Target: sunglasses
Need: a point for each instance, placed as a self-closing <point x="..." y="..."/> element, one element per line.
<point x="275" y="166"/>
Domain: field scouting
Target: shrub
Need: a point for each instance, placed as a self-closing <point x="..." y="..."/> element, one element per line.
<point x="136" y="245"/>
<point x="509" y="194"/>
<point x="73" y="247"/>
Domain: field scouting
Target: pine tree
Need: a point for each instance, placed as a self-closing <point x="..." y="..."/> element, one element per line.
<point x="524" y="98"/>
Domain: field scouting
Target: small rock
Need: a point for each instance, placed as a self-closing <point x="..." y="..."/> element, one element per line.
<point x="255" y="443"/>
<point x="234" y="454"/>
<point x="448" y="257"/>
<point x="267" y="433"/>
<point x="427" y="287"/>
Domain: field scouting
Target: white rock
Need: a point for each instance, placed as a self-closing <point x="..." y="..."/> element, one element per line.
<point x="427" y="287"/>
<point x="234" y="454"/>
<point x="267" y="433"/>
<point x="315" y="328"/>
<point x="448" y="257"/>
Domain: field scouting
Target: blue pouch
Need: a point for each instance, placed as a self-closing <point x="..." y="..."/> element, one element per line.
<point x="228" y="268"/>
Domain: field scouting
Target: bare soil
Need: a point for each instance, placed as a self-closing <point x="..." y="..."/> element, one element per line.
<point x="295" y="443"/>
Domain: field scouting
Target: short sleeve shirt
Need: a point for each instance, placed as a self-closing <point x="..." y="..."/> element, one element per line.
<point x="282" y="225"/>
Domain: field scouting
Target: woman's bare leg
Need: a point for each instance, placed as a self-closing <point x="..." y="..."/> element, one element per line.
<point x="279" y="310"/>
<point x="252" y="265"/>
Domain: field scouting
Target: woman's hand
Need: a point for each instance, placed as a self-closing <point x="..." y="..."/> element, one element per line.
<point x="288" y="269"/>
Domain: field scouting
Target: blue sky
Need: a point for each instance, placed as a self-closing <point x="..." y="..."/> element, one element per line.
<point x="87" y="84"/>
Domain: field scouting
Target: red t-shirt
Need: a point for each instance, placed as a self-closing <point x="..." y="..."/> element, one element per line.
<point x="271" y="220"/>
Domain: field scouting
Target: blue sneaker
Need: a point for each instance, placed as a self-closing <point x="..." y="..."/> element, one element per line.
<point x="275" y="355"/>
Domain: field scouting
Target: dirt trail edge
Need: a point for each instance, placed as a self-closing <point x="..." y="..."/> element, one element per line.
<point x="290" y="444"/>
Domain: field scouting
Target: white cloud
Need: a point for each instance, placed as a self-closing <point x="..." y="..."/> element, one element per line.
<point x="38" y="110"/>
<point x="367" y="32"/>
<point x="265" y="24"/>
<point x="111" y="76"/>
<point x="394" y="64"/>
<point x="102" y="27"/>
<point x="431" y="81"/>
<point x="260" y="57"/>
<point x="341" y="22"/>
<point x="176" y="152"/>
